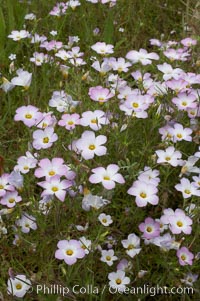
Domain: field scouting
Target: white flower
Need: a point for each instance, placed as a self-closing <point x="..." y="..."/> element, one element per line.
<point x="23" y="79"/>
<point x="108" y="256"/>
<point x="85" y="244"/>
<point x="106" y="220"/>
<point x="132" y="245"/>
<point x="18" y="286"/>
<point x="30" y="16"/>
<point x="118" y="280"/>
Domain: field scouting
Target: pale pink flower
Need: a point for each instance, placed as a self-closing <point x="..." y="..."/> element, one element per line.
<point x="185" y="101"/>
<point x="185" y="256"/>
<point x="103" y="48"/>
<point x="18" y="35"/>
<point x="180" y="222"/>
<point x="69" y="251"/>
<point x="100" y="94"/>
<point x="187" y="188"/>
<point x="170" y="156"/>
<point x="94" y="120"/>
<point x="150" y="228"/>
<point x="141" y="56"/>
<point x="108" y="257"/>
<point x="69" y="121"/>
<point x="89" y="145"/>
<point x="44" y="138"/>
<point x="55" y="186"/>
<point x="107" y="176"/>
<point x="10" y="199"/>
<point x="28" y="115"/>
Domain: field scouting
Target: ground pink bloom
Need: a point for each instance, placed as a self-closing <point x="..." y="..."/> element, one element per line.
<point x="36" y="38"/>
<point x="145" y="193"/>
<point x="89" y="145"/>
<point x="187" y="188"/>
<point x="39" y="58"/>
<point x="105" y="220"/>
<point x="94" y="120"/>
<point x="169" y="72"/>
<point x="177" y="85"/>
<point x="25" y="163"/>
<point x="188" y="42"/>
<point x="124" y="265"/>
<point x="141" y="56"/>
<point x="27" y="222"/>
<point x="28" y="115"/>
<point x="10" y="199"/>
<point x="185" y="101"/>
<point x="150" y="228"/>
<point x="44" y="138"/>
<point x="102" y="68"/>
<point x="180" y="222"/>
<point x="69" y="121"/>
<point x="46" y="120"/>
<point x="119" y="64"/>
<point x="52" y="45"/>
<point x="54" y="186"/>
<point x="179" y="133"/>
<point x="5" y="184"/>
<point x="170" y="155"/>
<point x="59" y="9"/>
<point x="100" y="94"/>
<point x="118" y="281"/>
<point x="185" y="256"/>
<point x="176" y="54"/>
<point x="23" y="79"/>
<point x="150" y="176"/>
<point x="103" y="48"/>
<point x="107" y="176"/>
<point x="69" y="251"/>
<point x="18" y="35"/>
<point x="132" y="245"/>
<point x="54" y="167"/>
<point x="108" y="256"/>
<point x="18" y="285"/>
<point x="155" y="42"/>
<point x="165" y="217"/>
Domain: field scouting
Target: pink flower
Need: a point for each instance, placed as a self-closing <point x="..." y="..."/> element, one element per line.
<point x="69" y="251"/>
<point x="179" y="222"/>
<point x="26" y="222"/>
<point x="54" y="167"/>
<point x="10" y="199"/>
<point x="169" y="72"/>
<point x="185" y="256"/>
<point x="5" y="185"/>
<point x="187" y="188"/>
<point x="89" y="145"/>
<point x="144" y="192"/>
<point x="69" y="121"/>
<point x="179" y="133"/>
<point x="28" y="115"/>
<point x="170" y="155"/>
<point x="25" y="163"/>
<point x="107" y="176"/>
<point x="100" y="94"/>
<point x="103" y="48"/>
<point x="54" y="186"/>
<point x="185" y="101"/>
<point x="44" y="138"/>
<point x="150" y="228"/>
<point x="94" y="120"/>
<point x="141" y="56"/>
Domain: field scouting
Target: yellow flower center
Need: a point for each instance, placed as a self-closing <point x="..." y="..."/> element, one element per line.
<point x="27" y="225"/>
<point x="187" y="191"/>
<point x="184" y="103"/>
<point x="11" y="201"/>
<point x="69" y="252"/>
<point x="1" y="187"/>
<point x="92" y="147"/>
<point x="143" y="195"/>
<point x="179" y="135"/>
<point x="108" y="258"/>
<point x="54" y="188"/>
<point x="93" y="121"/>
<point x="18" y="286"/>
<point x="52" y="173"/>
<point x="106" y="178"/>
<point x="70" y="122"/>
<point x="28" y="116"/>
<point x="135" y="105"/>
<point x="26" y="167"/>
<point x="45" y="140"/>
<point x="149" y="229"/>
<point x="183" y="257"/>
<point x="130" y="247"/>
<point x="167" y="158"/>
<point x="118" y="281"/>
<point x="179" y="224"/>
<point x="104" y="220"/>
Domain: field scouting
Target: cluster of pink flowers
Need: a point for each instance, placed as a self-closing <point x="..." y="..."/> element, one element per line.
<point x="71" y="150"/>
